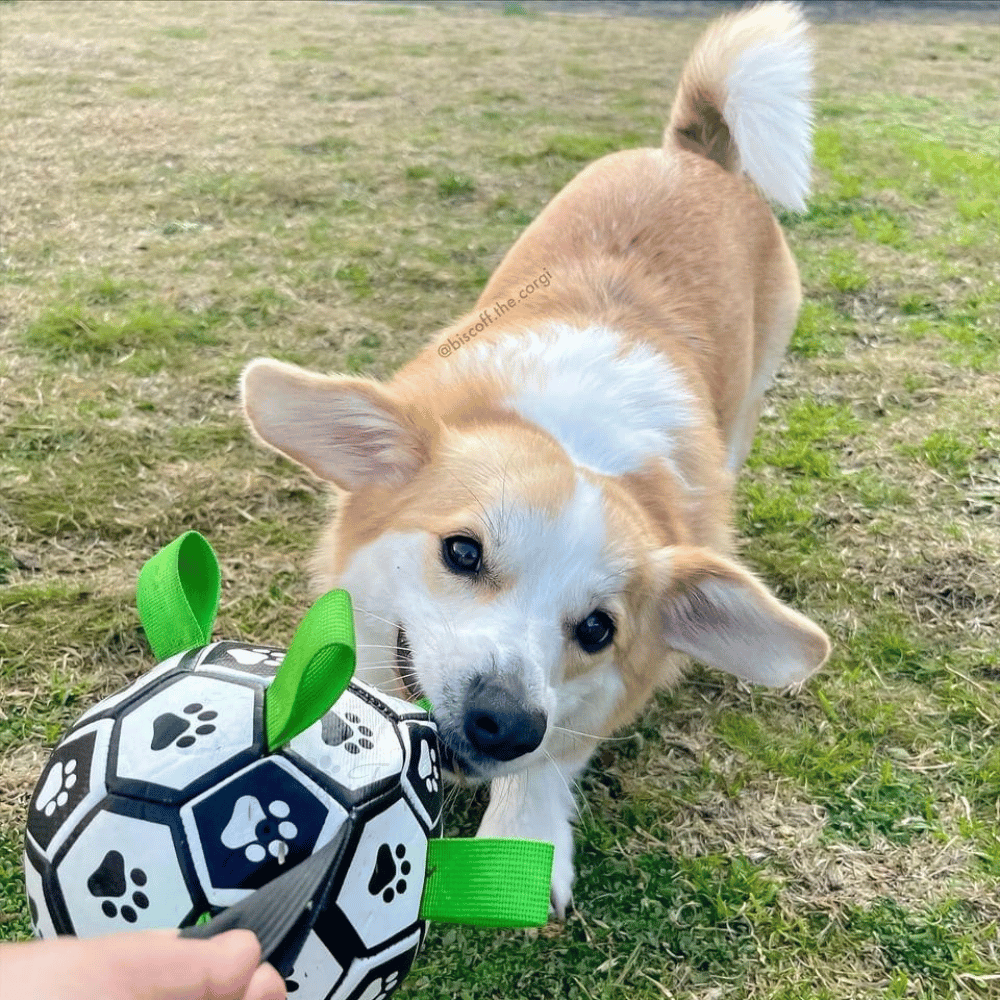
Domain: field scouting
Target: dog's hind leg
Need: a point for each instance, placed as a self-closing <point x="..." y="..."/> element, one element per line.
<point x="776" y="309"/>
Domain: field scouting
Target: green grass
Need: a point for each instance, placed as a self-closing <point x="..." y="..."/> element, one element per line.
<point x="146" y="329"/>
<point x="455" y="186"/>
<point x="946" y="452"/>
<point x="185" y="34"/>
<point x="310" y="203"/>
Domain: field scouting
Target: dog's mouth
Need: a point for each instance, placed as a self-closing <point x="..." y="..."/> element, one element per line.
<point x="450" y="760"/>
<point x="404" y="667"/>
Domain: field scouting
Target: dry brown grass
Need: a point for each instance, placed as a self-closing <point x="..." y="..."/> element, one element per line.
<point x="330" y="183"/>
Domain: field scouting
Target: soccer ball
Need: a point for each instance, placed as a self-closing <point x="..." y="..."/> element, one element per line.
<point x="162" y="805"/>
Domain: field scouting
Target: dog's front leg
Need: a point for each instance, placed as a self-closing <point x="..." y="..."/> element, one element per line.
<point x="537" y="804"/>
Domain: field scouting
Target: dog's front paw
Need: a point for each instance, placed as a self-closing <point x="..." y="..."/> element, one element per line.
<point x="561" y="894"/>
<point x="526" y="806"/>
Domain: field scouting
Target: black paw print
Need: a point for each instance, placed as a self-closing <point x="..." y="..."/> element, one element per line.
<point x="336" y="731"/>
<point x="169" y="727"/>
<point x="386" y="870"/>
<point x="109" y="879"/>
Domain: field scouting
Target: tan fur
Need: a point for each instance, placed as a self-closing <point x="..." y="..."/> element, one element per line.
<point x="670" y="248"/>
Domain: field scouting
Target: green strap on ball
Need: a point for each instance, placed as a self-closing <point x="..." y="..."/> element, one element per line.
<point x="488" y="883"/>
<point x="316" y="670"/>
<point x="178" y="595"/>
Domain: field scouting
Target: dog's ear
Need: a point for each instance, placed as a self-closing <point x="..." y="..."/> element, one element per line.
<point x="717" y="612"/>
<point x="348" y="431"/>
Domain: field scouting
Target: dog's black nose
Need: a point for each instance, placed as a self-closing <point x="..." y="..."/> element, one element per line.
<point x="497" y="723"/>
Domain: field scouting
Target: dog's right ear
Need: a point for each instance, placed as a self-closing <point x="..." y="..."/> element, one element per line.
<point x="718" y="612"/>
<point x="348" y="431"/>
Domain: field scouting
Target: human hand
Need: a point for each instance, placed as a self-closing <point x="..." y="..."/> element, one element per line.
<point x="139" y="965"/>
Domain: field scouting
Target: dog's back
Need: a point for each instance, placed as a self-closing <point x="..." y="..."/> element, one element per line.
<point x="673" y="245"/>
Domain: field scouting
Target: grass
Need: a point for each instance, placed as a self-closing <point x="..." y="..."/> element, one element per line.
<point x="308" y="203"/>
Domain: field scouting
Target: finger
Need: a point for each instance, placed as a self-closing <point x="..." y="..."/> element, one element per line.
<point x="154" y="965"/>
<point x="221" y="968"/>
<point x="266" y="984"/>
<point x="172" y="968"/>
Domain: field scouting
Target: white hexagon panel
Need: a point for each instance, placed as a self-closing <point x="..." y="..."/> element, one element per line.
<point x="243" y="832"/>
<point x="380" y="895"/>
<point x="181" y="737"/>
<point x="378" y="976"/>
<point x="354" y="744"/>
<point x="316" y="971"/>
<point x="122" y="872"/>
<point x="69" y="787"/>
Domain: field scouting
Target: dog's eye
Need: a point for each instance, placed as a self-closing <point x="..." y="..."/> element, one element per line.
<point x="462" y="554"/>
<point x="595" y="631"/>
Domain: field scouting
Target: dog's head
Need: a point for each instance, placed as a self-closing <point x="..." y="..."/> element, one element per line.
<point x="528" y="599"/>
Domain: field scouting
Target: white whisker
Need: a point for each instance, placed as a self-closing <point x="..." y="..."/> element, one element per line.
<point x="593" y="736"/>
<point x="371" y="614"/>
<point x="572" y="797"/>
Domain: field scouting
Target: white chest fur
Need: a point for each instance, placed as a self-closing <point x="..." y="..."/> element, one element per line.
<point x="610" y="406"/>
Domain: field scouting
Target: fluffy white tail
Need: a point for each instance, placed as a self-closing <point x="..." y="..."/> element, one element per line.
<point x="743" y="100"/>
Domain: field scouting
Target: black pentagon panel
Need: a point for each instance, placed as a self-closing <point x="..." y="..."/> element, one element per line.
<point x="184" y="737"/>
<point x="123" y="869"/>
<point x="65" y="784"/>
<point x="251" y="828"/>
<point x="422" y="780"/>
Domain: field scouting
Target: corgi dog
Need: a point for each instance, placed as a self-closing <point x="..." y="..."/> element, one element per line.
<point x="534" y="513"/>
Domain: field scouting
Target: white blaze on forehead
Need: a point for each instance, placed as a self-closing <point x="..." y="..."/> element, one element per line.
<point x="610" y="409"/>
<point x="556" y="564"/>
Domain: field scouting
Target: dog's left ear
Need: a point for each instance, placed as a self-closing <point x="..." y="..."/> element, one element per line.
<point x="351" y="432"/>
<point x="720" y="614"/>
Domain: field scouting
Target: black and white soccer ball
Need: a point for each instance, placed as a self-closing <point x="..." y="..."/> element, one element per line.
<point x="161" y="806"/>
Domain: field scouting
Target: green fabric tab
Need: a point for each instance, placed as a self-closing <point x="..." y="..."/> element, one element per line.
<point x="178" y="595"/>
<point x="316" y="670"/>
<point x="488" y="883"/>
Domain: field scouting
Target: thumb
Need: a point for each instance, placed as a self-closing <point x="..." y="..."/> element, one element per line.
<point x="141" y="965"/>
<point x="226" y="967"/>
